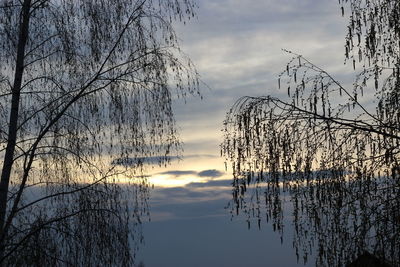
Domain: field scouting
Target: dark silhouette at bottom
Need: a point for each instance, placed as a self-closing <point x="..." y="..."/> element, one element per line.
<point x="368" y="260"/>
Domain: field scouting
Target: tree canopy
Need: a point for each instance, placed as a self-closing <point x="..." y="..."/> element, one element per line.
<point x="325" y="153"/>
<point x="83" y="83"/>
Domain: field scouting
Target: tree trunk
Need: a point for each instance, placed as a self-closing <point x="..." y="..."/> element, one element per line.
<point x="13" y="122"/>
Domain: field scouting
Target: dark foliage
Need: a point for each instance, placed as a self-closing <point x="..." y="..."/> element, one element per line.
<point x="325" y="154"/>
<point x="83" y="83"/>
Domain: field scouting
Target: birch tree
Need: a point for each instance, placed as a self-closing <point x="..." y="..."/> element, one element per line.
<point x="325" y="153"/>
<point x="83" y="83"/>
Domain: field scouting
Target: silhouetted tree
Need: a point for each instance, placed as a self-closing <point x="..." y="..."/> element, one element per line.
<point x="325" y="154"/>
<point x="82" y="83"/>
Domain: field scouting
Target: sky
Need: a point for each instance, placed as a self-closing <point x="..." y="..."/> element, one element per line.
<point x="237" y="47"/>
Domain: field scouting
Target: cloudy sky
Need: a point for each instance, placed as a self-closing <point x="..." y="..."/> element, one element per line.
<point x="237" y="48"/>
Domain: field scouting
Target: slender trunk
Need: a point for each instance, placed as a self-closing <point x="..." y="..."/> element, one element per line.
<point x="13" y="122"/>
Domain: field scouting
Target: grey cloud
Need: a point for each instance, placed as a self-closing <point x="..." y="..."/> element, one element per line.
<point x="194" y="209"/>
<point x="181" y="192"/>
<point x="192" y="194"/>
<point x="178" y="173"/>
<point x="219" y="183"/>
<point x="210" y="173"/>
<point x="206" y="173"/>
<point x="237" y="49"/>
<point x="131" y="161"/>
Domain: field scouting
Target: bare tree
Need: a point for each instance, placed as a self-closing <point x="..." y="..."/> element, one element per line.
<point x="81" y="84"/>
<point x="324" y="153"/>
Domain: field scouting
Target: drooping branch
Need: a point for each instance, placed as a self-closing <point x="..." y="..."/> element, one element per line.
<point x="96" y="86"/>
<point x="323" y="153"/>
